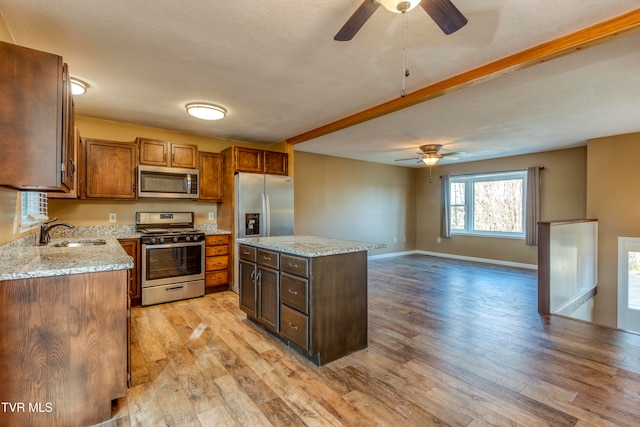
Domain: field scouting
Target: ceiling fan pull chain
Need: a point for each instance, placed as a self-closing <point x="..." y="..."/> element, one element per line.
<point x="405" y="52"/>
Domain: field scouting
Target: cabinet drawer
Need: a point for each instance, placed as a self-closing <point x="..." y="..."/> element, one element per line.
<point x="217" y="239"/>
<point x="215" y="278"/>
<point x="268" y="258"/>
<point x="216" y="263"/>
<point x="216" y="250"/>
<point x="248" y="253"/>
<point x="295" y="265"/>
<point x="294" y="326"/>
<point x="294" y="292"/>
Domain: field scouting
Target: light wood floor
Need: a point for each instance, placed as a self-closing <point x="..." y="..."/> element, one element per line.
<point x="450" y="343"/>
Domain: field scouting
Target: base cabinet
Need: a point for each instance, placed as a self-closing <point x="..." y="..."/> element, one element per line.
<point x="217" y="262"/>
<point x="63" y="348"/>
<point x="132" y="248"/>
<point x="319" y="306"/>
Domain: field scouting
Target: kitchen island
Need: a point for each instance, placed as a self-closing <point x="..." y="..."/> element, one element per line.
<point x="309" y="291"/>
<point x="64" y="323"/>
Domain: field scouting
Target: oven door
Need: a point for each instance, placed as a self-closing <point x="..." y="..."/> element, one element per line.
<point x="164" y="264"/>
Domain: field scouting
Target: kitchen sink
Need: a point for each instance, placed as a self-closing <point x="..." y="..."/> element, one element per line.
<point x="76" y="243"/>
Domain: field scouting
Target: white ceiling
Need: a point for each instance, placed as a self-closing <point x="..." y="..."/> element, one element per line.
<point x="277" y="70"/>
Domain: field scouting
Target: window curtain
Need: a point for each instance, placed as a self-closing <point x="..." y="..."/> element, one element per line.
<point x="445" y="223"/>
<point x="532" y="215"/>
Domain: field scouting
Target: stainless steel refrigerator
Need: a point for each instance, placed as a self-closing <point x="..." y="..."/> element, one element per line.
<point x="264" y="207"/>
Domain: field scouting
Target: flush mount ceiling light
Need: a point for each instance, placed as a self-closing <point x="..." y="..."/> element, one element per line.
<point x="206" y="111"/>
<point x="78" y="87"/>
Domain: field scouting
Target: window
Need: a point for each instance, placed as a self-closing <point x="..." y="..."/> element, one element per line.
<point x="490" y="204"/>
<point x="34" y="208"/>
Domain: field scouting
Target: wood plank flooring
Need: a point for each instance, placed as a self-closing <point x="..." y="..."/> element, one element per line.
<point x="450" y="343"/>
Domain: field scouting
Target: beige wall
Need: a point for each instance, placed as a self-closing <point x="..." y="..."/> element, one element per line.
<point x="355" y="200"/>
<point x="612" y="182"/>
<point x="563" y="193"/>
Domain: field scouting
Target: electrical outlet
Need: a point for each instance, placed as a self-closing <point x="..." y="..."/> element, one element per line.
<point x="212" y="216"/>
<point x="404" y="239"/>
<point x="438" y="239"/>
<point x="395" y="240"/>
<point x="113" y="217"/>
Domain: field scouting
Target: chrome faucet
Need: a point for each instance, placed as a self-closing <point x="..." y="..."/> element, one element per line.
<point x="45" y="227"/>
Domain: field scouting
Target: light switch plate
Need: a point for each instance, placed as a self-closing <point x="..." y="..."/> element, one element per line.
<point x="113" y="217"/>
<point x="212" y="216"/>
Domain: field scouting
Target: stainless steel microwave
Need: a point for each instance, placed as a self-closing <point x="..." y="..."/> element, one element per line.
<point x="168" y="183"/>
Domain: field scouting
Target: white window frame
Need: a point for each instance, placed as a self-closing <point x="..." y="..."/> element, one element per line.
<point x="32" y="210"/>
<point x="469" y="180"/>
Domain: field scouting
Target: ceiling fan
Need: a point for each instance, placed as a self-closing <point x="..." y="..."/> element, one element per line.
<point x="443" y="12"/>
<point x="430" y="154"/>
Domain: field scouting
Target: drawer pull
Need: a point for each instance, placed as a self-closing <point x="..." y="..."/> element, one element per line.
<point x="293" y="265"/>
<point x="266" y="257"/>
<point x="292" y="326"/>
<point x="245" y="252"/>
<point x="291" y="291"/>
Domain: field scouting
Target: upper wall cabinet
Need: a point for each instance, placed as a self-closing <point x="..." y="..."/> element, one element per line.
<point x="163" y="153"/>
<point x="210" y="177"/>
<point x="36" y="120"/>
<point x="110" y="169"/>
<point x="260" y="161"/>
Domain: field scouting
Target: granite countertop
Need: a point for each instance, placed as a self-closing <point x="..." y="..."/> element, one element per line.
<point x="23" y="259"/>
<point x="309" y="246"/>
<point x="43" y="261"/>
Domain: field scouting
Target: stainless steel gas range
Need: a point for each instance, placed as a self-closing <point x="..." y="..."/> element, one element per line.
<point x="173" y="256"/>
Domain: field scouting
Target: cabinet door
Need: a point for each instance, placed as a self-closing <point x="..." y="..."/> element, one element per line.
<point x="247" y="272"/>
<point x="184" y="156"/>
<point x="131" y="246"/>
<point x="74" y="165"/>
<point x="248" y="160"/>
<point x="153" y="153"/>
<point x="110" y="169"/>
<point x="276" y="163"/>
<point x="210" y="177"/>
<point x="268" y="297"/>
<point x="33" y="121"/>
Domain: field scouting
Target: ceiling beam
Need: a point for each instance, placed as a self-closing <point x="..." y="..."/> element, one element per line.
<point x="596" y="34"/>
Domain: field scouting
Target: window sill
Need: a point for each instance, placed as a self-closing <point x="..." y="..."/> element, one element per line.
<point x="490" y="235"/>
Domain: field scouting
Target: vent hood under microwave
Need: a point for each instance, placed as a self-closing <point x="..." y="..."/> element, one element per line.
<point x="168" y="183"/>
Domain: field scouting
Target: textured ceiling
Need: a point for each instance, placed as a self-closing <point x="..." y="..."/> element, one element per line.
<point x="277" y="70"/>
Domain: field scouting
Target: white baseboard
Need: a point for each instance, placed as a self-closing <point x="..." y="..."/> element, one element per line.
<point x="458" y="257"/>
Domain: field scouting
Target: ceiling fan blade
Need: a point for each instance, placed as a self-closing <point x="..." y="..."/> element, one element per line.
<point x="357" y="20"/>
<point x="410" y="158"/>
<point x="445" y="14"/>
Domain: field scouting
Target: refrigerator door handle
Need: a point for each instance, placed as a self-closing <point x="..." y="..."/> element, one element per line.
<point x="266" y="211"/>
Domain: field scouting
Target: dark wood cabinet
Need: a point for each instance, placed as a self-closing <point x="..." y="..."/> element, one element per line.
<point x="170" y="154"/>
<point x="320" y="302"/>
<point x="210" y="177"/>
<point x="110" y="169"/>
<point x="260" y="161"/>
<point x="132" y="248"/>
<point x="217" y="262"/>
<point x="259" y="285"/>
<point x="36" y="120"/>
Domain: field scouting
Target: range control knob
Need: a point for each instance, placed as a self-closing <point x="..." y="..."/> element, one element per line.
<point x="161" y="240"/>
<point x="175" y="238"/>
<point x="195" y="238"/>
<point x="188" y="238"/>
<point x="153" y="240"/>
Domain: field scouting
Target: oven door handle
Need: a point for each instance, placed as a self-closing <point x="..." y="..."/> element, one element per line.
<point x="171" y="245"/>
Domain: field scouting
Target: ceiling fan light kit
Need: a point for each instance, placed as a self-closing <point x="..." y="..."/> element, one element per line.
<point x="431" y="159"/>
<point x="205" y="111"/>
<point x="397" y="6"/>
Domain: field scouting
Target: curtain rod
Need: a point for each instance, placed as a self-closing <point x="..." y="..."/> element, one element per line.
<point x="491" y="173"/>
